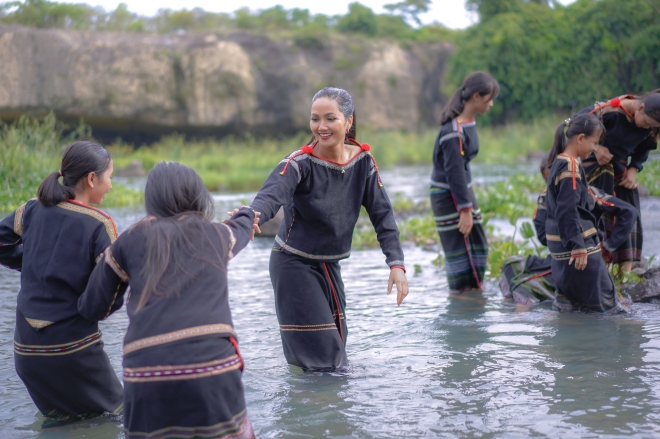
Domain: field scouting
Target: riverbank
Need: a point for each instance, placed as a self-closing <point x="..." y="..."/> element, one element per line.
<point x="32" y="148"/>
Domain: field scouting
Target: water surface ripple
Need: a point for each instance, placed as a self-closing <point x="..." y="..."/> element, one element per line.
<point x="472" y="366"/>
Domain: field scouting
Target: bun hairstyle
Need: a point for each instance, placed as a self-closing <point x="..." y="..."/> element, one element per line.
<point x="176" y="196"/>
<point x="80" y="159"/>
<point x="651" y="101"/>
<point x="586" y="124"/>
<point x="475" y="82"/>
<point x="344" y="102"/>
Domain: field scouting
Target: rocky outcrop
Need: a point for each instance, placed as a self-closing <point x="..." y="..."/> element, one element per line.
<point x="133" y="84"/>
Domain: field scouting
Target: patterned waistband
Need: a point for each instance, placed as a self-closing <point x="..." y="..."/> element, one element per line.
<point x="57" y="349"/>
<point x="565" y="256"/>
<point x="585" y="234"/>
<point x="449" y="222"/>
<point x="182" y="334"/>
<point x="290" y="249"/>
<point x="309" y="328"/>
<point x="182" y="371"/>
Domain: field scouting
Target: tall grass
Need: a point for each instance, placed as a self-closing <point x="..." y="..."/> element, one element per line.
<point x="30" y="149"/>
<point x="235" y="165"/>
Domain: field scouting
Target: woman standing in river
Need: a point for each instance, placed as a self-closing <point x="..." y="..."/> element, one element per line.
<point x="457" y="215"/>
<point x="322" y="187"/>
<point x="632" y="126"/>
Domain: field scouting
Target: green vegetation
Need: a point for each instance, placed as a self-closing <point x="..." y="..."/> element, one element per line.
<point x="299" y="23"/>
<point x="549" y="57"/>
<point x="30" y="150"/>
<point x="650" y="177"/>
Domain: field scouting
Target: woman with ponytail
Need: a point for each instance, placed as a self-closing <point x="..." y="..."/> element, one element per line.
<point x="55" y="241"/>
<point x="633" y="125"/>
<point x="457" y="215"/>
<point x="322" y="187"/>
<point x="182" y="367"/>
<point x="578" y="269"/>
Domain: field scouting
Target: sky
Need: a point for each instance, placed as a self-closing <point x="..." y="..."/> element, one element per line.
<point x="450" y="13"/>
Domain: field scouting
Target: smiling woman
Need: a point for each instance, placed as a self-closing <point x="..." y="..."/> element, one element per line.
<point x="322" y="187"/>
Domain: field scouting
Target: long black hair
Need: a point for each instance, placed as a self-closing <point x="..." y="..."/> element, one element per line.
<point x="177" y="205"/>
<point x="651" y="101"/>
<point x="344" y="102"/>
<point x="80" y="159"/>
<point x="475" y="82"/>
<point x="586" y="124"/>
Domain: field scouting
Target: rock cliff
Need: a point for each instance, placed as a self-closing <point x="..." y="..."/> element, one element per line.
<point x="142" y="85"/>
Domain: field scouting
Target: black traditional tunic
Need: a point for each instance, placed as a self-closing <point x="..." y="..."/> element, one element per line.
<point x="182" y="367"/>
<point x="528" y="279"/>
<point x="630" y="146"/>
<point x="322" y="201"/>
<point x="571" y="232"/>
<point x="58" y="353"/>
<point x="451" y="193"/>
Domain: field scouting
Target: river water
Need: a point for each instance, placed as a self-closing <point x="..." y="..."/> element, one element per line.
<point x="471" y="366"/>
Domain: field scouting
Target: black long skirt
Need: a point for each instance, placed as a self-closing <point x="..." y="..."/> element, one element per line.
<point x="310" y="303"/>
<point x="65" y="369"/>
<point x="186" y="390"/>
<point x="604" y="179"/>
<point x="465" y="257"/>
<point x="591" y="289"/>
<point x="528" y="279"/>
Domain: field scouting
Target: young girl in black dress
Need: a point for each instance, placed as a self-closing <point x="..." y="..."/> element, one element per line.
<point x="632" y="126"/>
<point x="580" y="274"/>
<point x="55" y="241"/>
<point x="182" y="367"/>
<point x="457" y="216"/>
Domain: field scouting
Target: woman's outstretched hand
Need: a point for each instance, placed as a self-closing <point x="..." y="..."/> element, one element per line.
<point x="255" y="224"/>
<point x="398" y="277"/>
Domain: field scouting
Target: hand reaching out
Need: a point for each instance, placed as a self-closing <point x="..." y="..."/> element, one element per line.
<point x="255" y="224"/>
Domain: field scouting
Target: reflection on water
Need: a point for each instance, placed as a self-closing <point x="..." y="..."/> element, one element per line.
<point x="471" y="366"/>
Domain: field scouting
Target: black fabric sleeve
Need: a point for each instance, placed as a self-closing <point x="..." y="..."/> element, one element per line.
<point x="540" y="216"/>
<point x="454" y="165"/>
<point x="641" y="153"/>
<point x="99" y="242"/>
<point x="568" y="218"/>
<point x="278" y="189"/>
<point x="625" y="216"/>
<point x="379" y="208"/>
<point x="240" y="230"/>
<point x="106" y="286"/>
<point x="11" y="240"/>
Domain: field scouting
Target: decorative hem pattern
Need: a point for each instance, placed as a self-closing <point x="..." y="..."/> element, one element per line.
<point x="181" y="371"/>
<point x="57" y="349"/>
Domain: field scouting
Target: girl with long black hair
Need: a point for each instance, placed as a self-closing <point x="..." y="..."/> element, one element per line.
<point x="182" y="367"/>
<point x="632" y="126"/>
<point x="578" y="269"/>
<point x="457" y="215"/>
<point x="322" y="187"/>
<point x="55" y="242"/>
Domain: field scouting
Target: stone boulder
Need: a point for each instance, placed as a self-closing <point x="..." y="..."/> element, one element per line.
<point x="137" y="85"/>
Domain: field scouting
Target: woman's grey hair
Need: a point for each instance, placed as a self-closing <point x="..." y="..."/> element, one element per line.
<point x="339" y="95"/>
